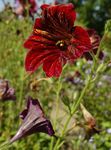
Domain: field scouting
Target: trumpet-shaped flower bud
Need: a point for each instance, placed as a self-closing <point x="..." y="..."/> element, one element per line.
<point x="34" y="121"/>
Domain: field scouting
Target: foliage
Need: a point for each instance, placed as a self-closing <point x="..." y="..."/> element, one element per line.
<point x="92" y="13"/>
<point x="97" y="100"/>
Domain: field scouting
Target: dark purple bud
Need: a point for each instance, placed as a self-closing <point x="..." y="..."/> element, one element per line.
<point x="6" y="92"/>
<point x="33" y="121"/>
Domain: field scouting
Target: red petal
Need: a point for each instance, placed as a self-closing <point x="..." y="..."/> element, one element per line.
<point x="38" y="23"/>
<point x="44" y="6"/>
<point x="59" y="17"/>
<point x="82" y="38"/>
<point x="35" y="58"/>
<point x="67" y="15"/>
<point x="74" y="53"/>
<point x="34" y="42"/>
<point x="53" y="66"/>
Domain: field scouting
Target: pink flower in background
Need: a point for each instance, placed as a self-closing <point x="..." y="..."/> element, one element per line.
<point x="20" y="7"/>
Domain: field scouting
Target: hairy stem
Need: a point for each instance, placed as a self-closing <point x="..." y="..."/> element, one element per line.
<point x="73" y="111"/>
<point x="59" y="86"/>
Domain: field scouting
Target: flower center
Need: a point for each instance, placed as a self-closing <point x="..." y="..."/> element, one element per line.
<point x="61" y="44"/>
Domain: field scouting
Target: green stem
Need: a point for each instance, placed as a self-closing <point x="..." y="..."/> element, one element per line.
<point x="52" y="143"/>
<point x="99" y="48"/>
<point x="82" y="95"/>
<point x="57" y="106"/>
<point x="5" y="145"/>
<point x="57" y="110"/>
<point x="21" y="89"/>
<point x="73" y="111"/>
<point x="76" y="105"/>
<point x="57" y="100"/>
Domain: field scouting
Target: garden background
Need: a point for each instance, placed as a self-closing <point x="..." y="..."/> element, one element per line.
<point x="13" y="32"/>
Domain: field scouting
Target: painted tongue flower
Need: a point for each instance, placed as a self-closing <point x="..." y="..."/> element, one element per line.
<point x="33" y="121"/>
<point x="55" y="40"/>
<point x="95" y="41"/>
<point x="6" y="92"/>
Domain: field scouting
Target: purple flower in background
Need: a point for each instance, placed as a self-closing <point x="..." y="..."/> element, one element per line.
<point x="33" y="121"/>
<point x="6" y="92"/>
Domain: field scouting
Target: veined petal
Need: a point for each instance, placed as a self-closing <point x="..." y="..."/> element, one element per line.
<point x="35" y="58"/>
<point x="82" y="38"/>
<point x="44" y="6"/>
<point x="34" y="41"/>
<point x="53" y="66"/>
<point x="34" y="120"/>
<point x="38" y="23"/>
<point x="74" y="52"/>
<point x="59" y="17"/>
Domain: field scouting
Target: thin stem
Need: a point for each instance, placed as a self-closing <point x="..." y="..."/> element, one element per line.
<point x="21" y="88"/>
<point x="26" y="76"/>
<point x="82" y="94"/>
<point x="43" y="79"/>
<point x="99" y="48"/>
<point x="23" y="78"/>
<point x="76" y="105"/>
<point x="52" y="143"/>
<point x="57" y="106"/>
<point x="57" y="110"/>
<point x="57" y="97"/>
<point x="73" y="111"/>
<point x="57" y="100"/>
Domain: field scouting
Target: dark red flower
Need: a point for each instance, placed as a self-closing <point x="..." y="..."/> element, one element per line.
<point x="95" y="41"/>
<point x="55" y="40"/>
<point x="6" y="92"/>
<point x="33" y="121"/>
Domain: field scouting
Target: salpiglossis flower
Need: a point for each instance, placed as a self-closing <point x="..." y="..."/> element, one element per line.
<point x="34" y="121"/>
<point x="55" y="40"/>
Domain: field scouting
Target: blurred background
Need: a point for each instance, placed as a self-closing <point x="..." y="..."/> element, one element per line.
<point x="92" y="13"/>
<point x="16" y="23"/>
